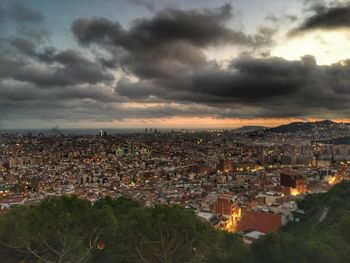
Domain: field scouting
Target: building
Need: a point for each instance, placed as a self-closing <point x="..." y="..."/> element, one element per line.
<point x="227" y="205"/>
<point x="224" y="204"/>
<point x="225" y="166"/>
<point x="102" y="133"/>
<point x="294" y="183"/>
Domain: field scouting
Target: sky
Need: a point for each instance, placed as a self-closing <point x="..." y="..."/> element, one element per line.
<point x="173" y="63"/>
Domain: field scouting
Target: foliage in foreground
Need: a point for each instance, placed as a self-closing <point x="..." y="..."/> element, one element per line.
<point x="67" y="230"/>
<point x="70" y="230"/>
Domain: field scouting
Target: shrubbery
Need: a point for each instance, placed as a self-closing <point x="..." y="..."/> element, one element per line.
<point x="71" y="230"/>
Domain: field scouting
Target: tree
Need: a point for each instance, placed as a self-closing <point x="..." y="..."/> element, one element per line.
<point x="231" y="249"/>
<point x="163" y="234"/>
<point x="58" y="230"/>
<point x="70" y="230"/>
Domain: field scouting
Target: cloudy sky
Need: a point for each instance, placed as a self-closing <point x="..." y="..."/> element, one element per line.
<point x="173" y="63"/>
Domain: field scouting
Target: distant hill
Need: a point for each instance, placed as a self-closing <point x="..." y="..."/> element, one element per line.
<point x="245" y="129"/>
<point x="342" y="140"/>
<point x="304" y="126"/>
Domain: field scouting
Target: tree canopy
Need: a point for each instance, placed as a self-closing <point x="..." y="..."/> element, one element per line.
<point x="71" y="230"/>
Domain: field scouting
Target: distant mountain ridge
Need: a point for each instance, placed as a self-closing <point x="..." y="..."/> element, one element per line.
<point x="341" y="140"/>
<point x="305" y="126"/>
<point x="246" y="129"/>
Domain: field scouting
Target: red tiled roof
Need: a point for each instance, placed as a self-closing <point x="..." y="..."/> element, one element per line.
<point x="261" y="221"/>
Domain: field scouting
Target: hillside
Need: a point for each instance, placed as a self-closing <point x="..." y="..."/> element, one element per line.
<point x="246" y="129"/>
<point x="342" y="140"/>
<point x="303" y="126"/>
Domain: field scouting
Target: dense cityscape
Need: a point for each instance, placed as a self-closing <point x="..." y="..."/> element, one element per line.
<point x="238" y="180"/>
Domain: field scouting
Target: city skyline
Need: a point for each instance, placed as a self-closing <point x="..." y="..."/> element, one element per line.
<point x="173" y="64"/>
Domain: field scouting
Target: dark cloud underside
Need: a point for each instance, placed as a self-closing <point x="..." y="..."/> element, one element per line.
<point x="162" y="60"/>
<point x="326" y="18"/>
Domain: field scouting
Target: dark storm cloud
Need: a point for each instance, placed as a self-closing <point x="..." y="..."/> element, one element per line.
<point x="247" y="80"/>
<point x="8" y="67"/>
<point x="52" y="67"/>
<point x="326" y="18"/>
<point x="39" y="81"/>
<point x="139" y="51"/>
<point x="57" y="76"/>
<point x="162" y="60"/>
<point x="51" y="76"/>
<point x="167" y="44"/>
<point x="67" y="104"/>
<point x="16" y="91"/>
<point x="26" y="56"/>
<point x="252" y="80"/>
<point x="166" y="54"/>
<point x="97" y="30"/>
<point x="273" y="86"/>
<point x="197" y="27"/>
<point x="23" y="45"/>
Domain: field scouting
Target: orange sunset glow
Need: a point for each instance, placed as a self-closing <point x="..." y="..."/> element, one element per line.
<point x="206" y="122"/>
